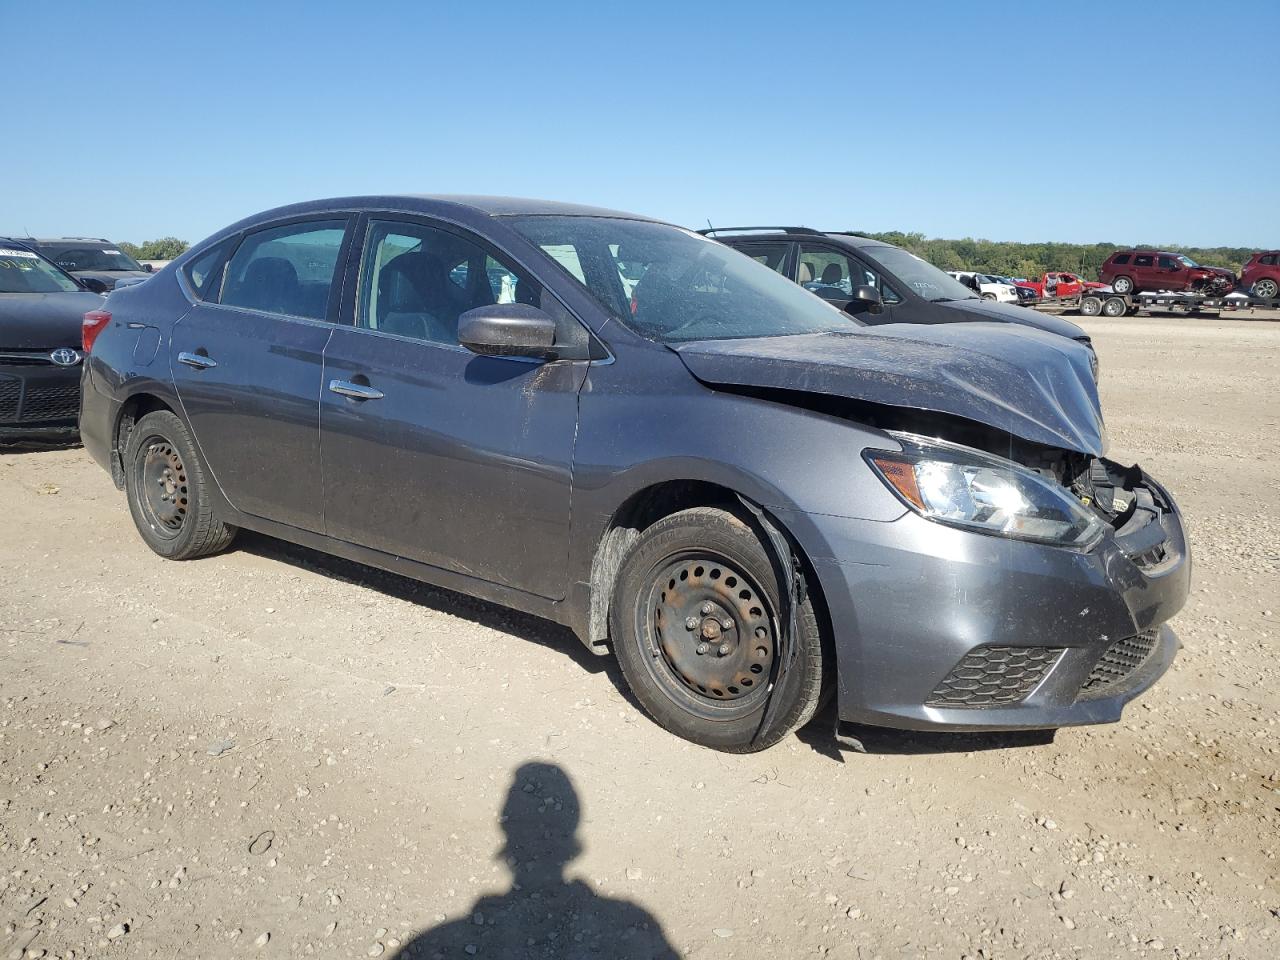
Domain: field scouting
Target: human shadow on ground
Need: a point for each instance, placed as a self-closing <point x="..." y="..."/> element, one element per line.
<point x="545" y="913"/>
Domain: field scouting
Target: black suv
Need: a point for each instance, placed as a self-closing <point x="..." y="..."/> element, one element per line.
<point x="92" y="259"/>
<point x="878" y="282"/>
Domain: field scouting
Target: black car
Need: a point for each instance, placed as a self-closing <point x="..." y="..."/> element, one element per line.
<point x="878" y="282"/>
<point x="41" y="310"/>
<point x="92" y="260"/>
<point x="750" y="498"/>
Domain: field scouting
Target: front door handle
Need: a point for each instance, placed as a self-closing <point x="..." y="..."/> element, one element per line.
<point x="355" y="391"/>
<point x="197" y="360"/>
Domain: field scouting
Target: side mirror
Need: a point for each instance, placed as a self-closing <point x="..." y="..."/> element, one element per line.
<point x="866" y="298"/>
<point x="508" y="330"/>
<point x="147" y="267"/>
<point x="94" y="284"/>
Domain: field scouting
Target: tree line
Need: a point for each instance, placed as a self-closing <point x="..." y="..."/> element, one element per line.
<point x="166" y="248"/>
<point x="1007" y="259"/>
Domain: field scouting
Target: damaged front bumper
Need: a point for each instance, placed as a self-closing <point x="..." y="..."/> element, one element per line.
<point x="940" y="628"/>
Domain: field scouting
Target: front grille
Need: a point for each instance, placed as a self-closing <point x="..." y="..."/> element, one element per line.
<point x="10" y="394"/>
<point x="1118" y="662"/>
<point x="39" y="402"/>
<point x="993" y="676"/>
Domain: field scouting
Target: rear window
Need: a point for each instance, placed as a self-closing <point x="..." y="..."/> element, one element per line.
<point x="1120" y="259"/>
<point x="287" y="270"/>
<point x="202" y="271"/>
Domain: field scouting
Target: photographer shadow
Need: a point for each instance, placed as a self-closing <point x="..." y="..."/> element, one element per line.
<point x="544" y="913"/>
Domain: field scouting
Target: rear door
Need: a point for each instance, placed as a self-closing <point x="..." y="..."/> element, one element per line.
<point x="434" y="453"/>
<point x="1144" y="272"/>
<point x="247" y="366"/>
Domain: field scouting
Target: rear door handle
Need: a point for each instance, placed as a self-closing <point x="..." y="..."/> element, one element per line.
<point x="197" y="360"/>
<point x="356" y="391"/>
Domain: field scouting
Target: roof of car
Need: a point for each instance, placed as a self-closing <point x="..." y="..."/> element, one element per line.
<point x="754" y="233"/>
<point x="427" y="203"/>
<point x="70" y="240"/>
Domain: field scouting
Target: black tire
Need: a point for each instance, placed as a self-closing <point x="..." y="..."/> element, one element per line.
<point x="1090" y="306"/>
<point x="168" y="490"/>
<point x="712" y="565"/>
<point x="1114" y="307"/>
<point x="1122" y="285"/>
<point x="988" y="296"/>
<point x="1266" y="289"/>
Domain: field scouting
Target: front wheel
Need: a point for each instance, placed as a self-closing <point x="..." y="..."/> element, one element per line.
<point x="988" y="296"/>
<point x="168" y="490"/>
<point x="694" y="621"/>
<point x="1122" y="285"/>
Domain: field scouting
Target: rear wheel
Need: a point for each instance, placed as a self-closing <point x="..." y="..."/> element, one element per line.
<point x="694" y="621"/>
<point x="168" y="490"/>
<point x="988" y="296"/>
<point x="1122" y="285"/>
<point x="1090" y="306"/>
<point x="1266" y="289"/>
<point x="1114" y="307"/>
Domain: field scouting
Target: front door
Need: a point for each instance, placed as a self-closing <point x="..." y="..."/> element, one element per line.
<point x="434" y="453"/>
<point x="247" y="366"/>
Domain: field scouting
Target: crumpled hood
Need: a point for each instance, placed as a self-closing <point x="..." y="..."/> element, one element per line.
<point x="990" y="310"/>
<point x="1028" y="384"/>
<point x="35" y="321"/>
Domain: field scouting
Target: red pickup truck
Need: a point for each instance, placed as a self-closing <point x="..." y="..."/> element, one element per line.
<point x="1057" y="284"/>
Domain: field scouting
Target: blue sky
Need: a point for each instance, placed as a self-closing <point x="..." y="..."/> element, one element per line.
<point x="1013" y="121"/>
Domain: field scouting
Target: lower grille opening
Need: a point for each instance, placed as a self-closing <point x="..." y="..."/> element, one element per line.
<point x="994" y="676"/>
<point x="1118" y="662"/>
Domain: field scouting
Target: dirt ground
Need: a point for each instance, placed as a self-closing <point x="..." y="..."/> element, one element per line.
<point x="271" y="753"/>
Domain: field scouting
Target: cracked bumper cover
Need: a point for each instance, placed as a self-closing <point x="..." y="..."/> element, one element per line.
<point x="910" y="599"/>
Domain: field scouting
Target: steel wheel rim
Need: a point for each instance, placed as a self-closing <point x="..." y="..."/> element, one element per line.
<point x="1113" y="308"/>
<point x="1090" y="307"/>
<point x="164" y="493"/>
<point x="1122" y="285"/>
<point x="707" y="631"/>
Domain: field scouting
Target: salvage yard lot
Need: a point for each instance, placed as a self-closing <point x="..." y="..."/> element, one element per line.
<point x="275" y="753"/>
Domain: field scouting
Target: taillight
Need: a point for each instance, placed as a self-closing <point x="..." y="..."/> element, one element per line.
<point x="95" y="321"/>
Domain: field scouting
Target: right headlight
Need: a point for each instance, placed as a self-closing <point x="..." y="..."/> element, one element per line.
<point x="966" y="488"/>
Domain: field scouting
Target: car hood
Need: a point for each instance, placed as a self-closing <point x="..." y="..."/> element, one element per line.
<point x="993" y="312"/>
<point x="34" y="321"/>
<point x="109" y="277"/>
<point x="1027" y="384"/>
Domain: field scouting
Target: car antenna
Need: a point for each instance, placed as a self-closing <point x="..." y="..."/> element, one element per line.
<point x="710" y="228"/>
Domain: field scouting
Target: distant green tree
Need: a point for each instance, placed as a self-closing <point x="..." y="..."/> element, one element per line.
<point x="1005" y="258"/>
<point x="166" y="248"/>
<point x="132" y="249"/>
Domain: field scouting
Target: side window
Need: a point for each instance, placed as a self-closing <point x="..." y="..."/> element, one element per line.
<point x="1166" y="263"/>
<point x="1141" y="261"/>
<point x="1269" y="260"/>
<point x="825" y="272"/>
<point x="417" y="280"/>
<point x="1120" y="259"/>
<point x="202" y="271"/>
<point x="864" y="276"/>
<point x="772" y="255"/>
<point x="287" y="270"/>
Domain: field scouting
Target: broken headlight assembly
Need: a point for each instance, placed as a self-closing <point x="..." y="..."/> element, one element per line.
<point x="962" y="487"/>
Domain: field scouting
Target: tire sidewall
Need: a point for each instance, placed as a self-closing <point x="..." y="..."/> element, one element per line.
<point x="167" y="426"/>
<point x="738" y="543"/>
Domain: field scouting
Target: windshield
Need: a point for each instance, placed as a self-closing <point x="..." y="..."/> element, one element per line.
<point x="21" y="271"/>
<point x="674" y="286"/>
<point x="90" y="258"/>
<point x="920" y="275"/>
<point x="1186" y="261"/>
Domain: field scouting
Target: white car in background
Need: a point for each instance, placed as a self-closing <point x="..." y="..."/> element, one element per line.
<point x="990" y="288"/>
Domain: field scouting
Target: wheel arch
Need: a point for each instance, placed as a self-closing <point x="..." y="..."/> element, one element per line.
<point x="659" y="499"/>
<point x="133" y="409"/>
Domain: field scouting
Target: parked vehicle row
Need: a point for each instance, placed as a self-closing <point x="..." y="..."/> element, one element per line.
<point x="41" y="311"/>
<point x="754" y="497"/>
